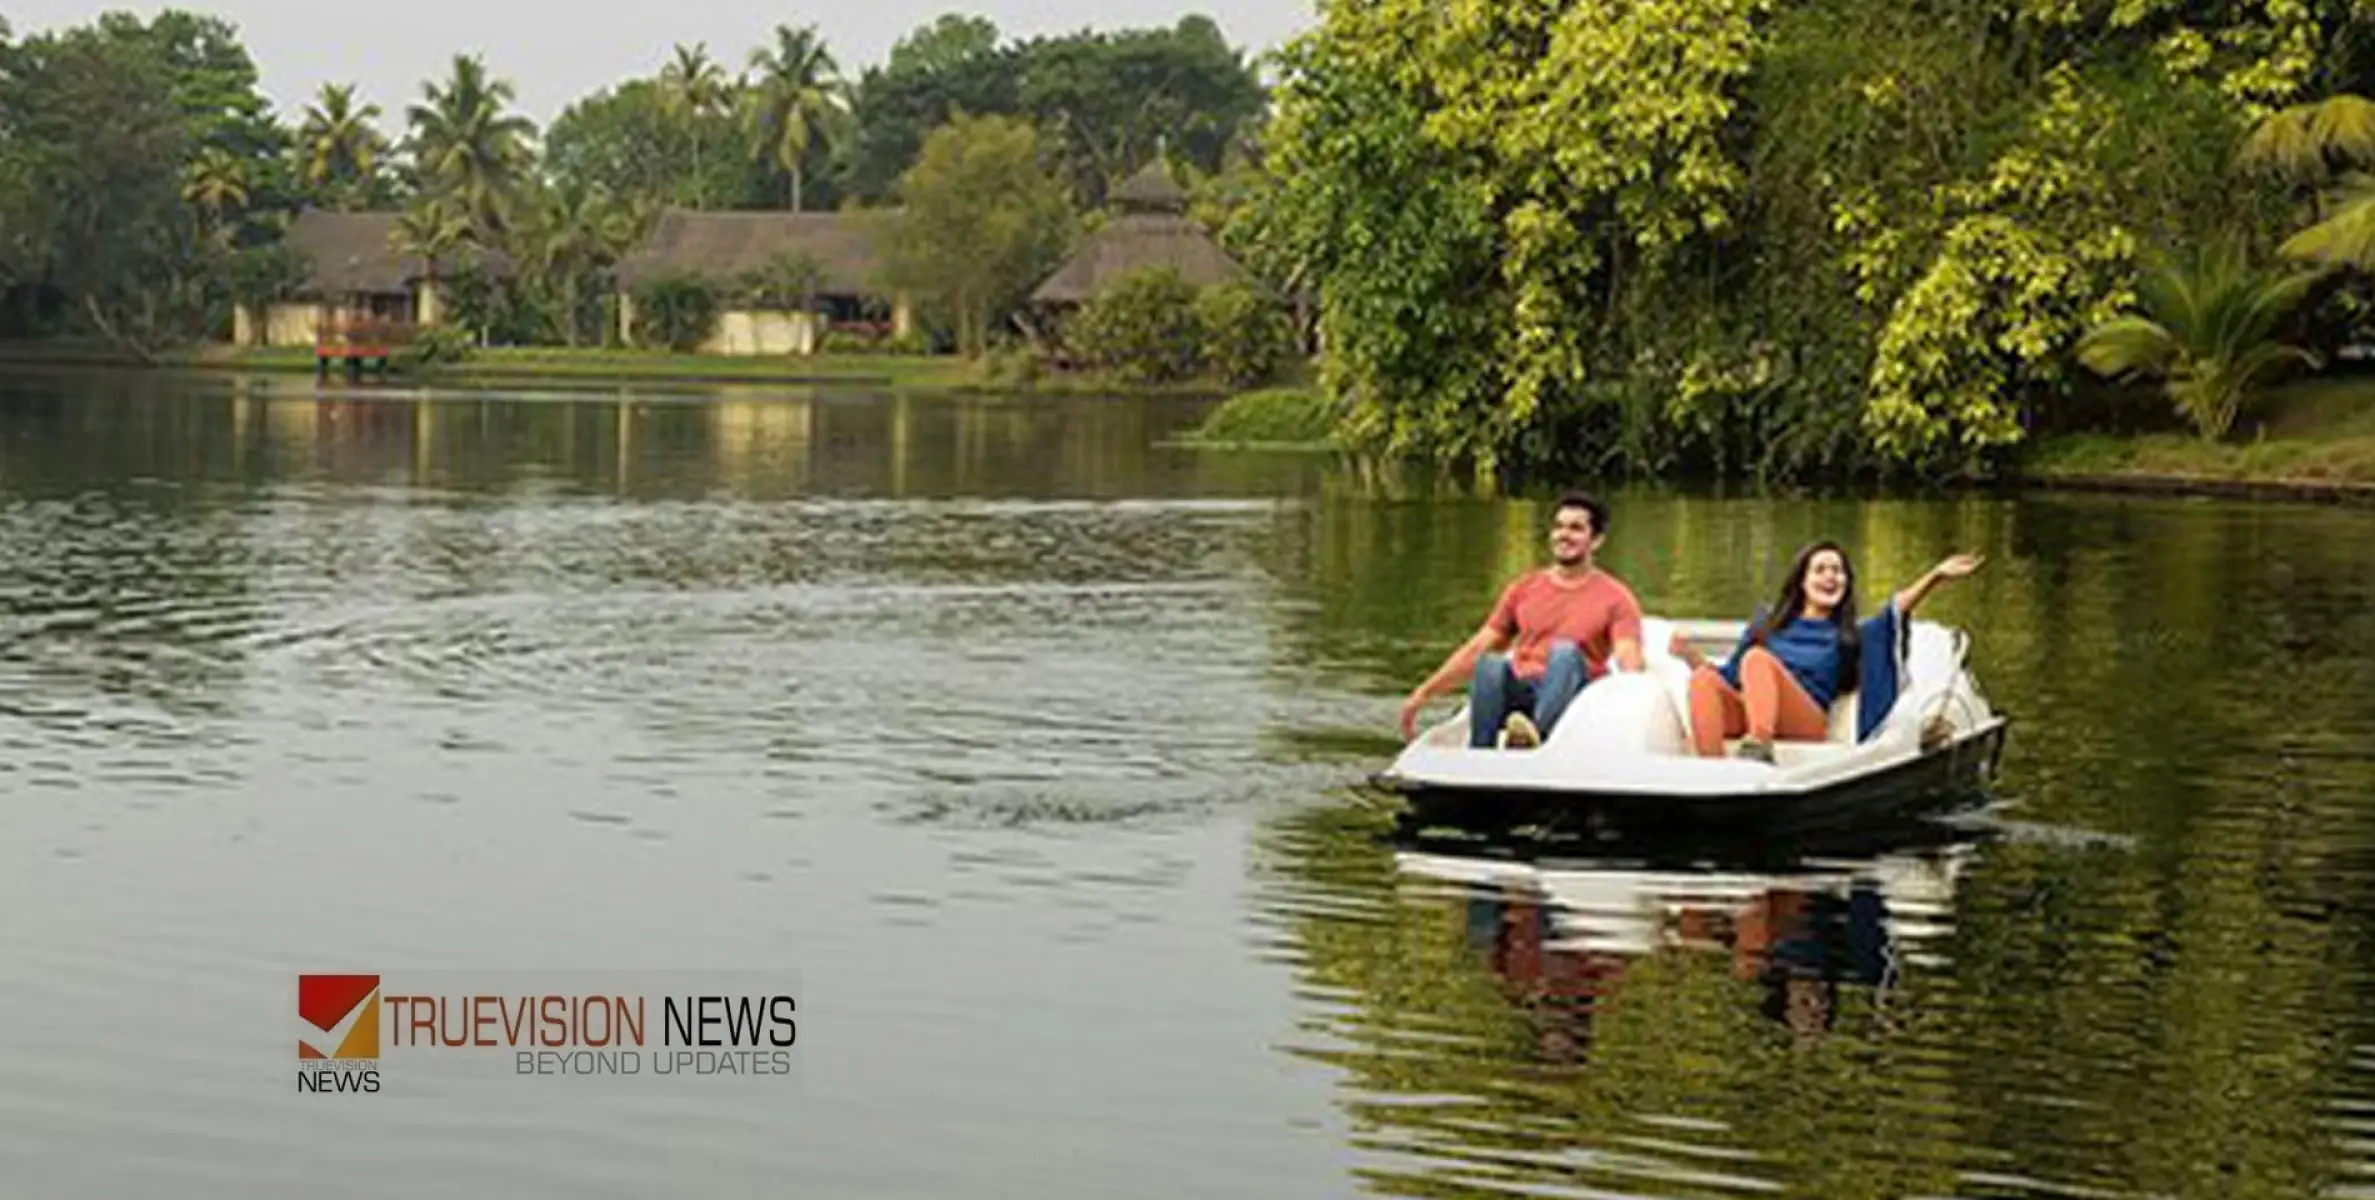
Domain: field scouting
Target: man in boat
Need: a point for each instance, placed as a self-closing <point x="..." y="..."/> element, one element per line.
<point x="1553" y="632"/>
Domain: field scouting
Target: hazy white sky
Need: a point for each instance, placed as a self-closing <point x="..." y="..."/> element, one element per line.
<point x="554" y="51"/>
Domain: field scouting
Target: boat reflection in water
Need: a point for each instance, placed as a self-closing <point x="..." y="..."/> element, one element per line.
<point x="1560" y="935"/>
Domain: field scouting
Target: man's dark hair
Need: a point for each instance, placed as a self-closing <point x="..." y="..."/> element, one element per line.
<point x="1590" y="504"/>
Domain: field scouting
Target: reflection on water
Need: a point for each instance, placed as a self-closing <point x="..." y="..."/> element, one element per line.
<point x="1030" y="741"/>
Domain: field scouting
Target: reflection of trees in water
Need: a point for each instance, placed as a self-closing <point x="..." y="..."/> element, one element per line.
<point x="2082" y="1016"/>
<point x="1490" y="1041"/>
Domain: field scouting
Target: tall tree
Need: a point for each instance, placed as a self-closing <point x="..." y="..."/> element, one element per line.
<point x="433" y="229"/>
<point x="466" y="146"/>
<point x="695" y="87"/>
<point x="981" y="222"/>
<point x="933" y="73"/>
<point x="795" y="101"/>
<point x="948" y="43"/>
<point x="92" y="125"/>
<point x="339" y="151"/>
<point x="1106" y="102"/>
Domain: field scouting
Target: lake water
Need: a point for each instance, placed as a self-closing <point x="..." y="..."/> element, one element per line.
<point x="1033" y="749"/>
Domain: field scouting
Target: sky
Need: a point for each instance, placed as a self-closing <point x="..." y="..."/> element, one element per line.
<point x="555" y="51"/>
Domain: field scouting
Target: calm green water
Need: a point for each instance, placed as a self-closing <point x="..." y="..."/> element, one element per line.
<point x="1034" y="748"/>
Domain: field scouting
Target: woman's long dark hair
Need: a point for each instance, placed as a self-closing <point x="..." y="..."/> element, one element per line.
<point x="1793" y="602"/>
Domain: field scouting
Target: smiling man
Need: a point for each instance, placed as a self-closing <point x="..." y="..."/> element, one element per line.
<point x="1567" y="623"/>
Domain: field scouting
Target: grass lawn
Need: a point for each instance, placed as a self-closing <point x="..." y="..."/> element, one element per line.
<point x="2318" y="431"/>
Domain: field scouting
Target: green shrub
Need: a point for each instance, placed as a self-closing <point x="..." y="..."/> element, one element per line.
<point x="843" y="341"/>
<point x="911" y="342"/>
<point x="1272" y="415"/>
<point x="435" y="345"/>
<point x="1246" y="335"/>
<point x="1144" y="330"/>
<point x="675" y="312"/>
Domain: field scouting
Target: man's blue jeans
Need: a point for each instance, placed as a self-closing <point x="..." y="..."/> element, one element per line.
<point x="1495" y="691"/>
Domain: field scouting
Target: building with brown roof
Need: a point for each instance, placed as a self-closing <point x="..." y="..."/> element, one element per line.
<point x="1149" y="228"/>
<point x="734" y="252"/>
<point x="354" y="275"/>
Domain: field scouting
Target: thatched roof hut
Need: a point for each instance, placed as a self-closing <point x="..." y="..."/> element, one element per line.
<point x="723" y="247"/>
<point x="1149" y="228"/>
<point x="354" y="254"/>
<point x="350" y="254"/>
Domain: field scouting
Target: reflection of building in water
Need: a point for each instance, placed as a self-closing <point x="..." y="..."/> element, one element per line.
<point x="1560" y="940"/>
<point x="761" y="439"/>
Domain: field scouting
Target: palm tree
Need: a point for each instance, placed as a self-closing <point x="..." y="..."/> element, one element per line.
<point x="797" y="96"/>
<point x="338" y="150"/>
<point x="465" y="145"/>
<point x="2210" y="333"/>
<point x="430" y="229"/>
<point x="2302" y="143"/>
<point x="216" y="182"/>
<point x="694" y="87"/>
<point x="571" y="235"/>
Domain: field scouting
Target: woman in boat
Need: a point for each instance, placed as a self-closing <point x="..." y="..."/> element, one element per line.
<point x="1798" y="657"/>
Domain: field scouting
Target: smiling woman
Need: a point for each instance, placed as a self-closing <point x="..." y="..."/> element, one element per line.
<point x="1798" y="657"/>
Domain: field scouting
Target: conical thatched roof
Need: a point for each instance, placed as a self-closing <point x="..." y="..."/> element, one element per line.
<point x="1151" y="190"/>
<point x="1151" y="230"/>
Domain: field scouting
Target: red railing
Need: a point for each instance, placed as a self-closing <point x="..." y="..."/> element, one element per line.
<point x="361" y="337"/>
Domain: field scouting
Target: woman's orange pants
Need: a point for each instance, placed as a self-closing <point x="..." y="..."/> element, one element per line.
<point x="1767" y="705"/>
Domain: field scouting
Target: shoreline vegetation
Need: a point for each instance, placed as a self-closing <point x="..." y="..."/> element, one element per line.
<point x="1839" y="242"/>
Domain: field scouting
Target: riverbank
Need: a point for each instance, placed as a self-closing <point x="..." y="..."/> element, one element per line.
<point x="2314" y="440"/>
<point x="602" y="367"/>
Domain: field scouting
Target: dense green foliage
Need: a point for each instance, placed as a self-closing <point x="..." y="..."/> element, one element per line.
<point x="136" y="161"/>
<point x="1270" y="416"/>
<point x="1144" y="329"/>
<point x="1246" y="336"/>
<point x="675" y="312"/>
<point x="1752" y="235"/>
<point x="143" y="176"/>
<point x="1154" y="327"/>
<point x="1103" y="103"/>
<point x="2210" y="330"/>
<point x="979" y="222"/>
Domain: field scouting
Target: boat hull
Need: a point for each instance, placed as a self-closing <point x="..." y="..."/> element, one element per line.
<point x="1940" y="780"/>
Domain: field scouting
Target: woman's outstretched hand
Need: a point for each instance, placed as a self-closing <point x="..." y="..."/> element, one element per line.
<point x="1956" y="566"/>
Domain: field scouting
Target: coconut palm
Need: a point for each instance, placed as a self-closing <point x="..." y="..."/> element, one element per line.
<point x="215" y="182"/>
<point x="431" y="230"/>
<point x="2209" y="331"/>
<point x="338" y="150"/>
<point x="694" y="87"/>
<point x="569" y="236"/>
<point x="795" y="99"/>
<point x="464" y="145"/>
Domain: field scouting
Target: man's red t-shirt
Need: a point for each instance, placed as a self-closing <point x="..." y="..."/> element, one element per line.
<point x="1539" y="609"/>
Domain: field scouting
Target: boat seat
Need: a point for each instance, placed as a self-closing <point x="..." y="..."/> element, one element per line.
<point x="1675" y="677"/>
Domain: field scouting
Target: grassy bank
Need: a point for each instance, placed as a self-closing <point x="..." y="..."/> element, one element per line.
<point x="1280" y="418"/>
<point x="595" y="366"/>
<point x="2313" y="438"/>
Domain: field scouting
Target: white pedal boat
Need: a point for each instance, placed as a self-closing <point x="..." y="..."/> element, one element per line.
<point x="1623" y="750"/>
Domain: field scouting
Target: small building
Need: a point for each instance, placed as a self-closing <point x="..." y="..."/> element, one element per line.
<point x="1149" y="227"/>
<point x="355" y="276"/>
<point x="729" y="250"/>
